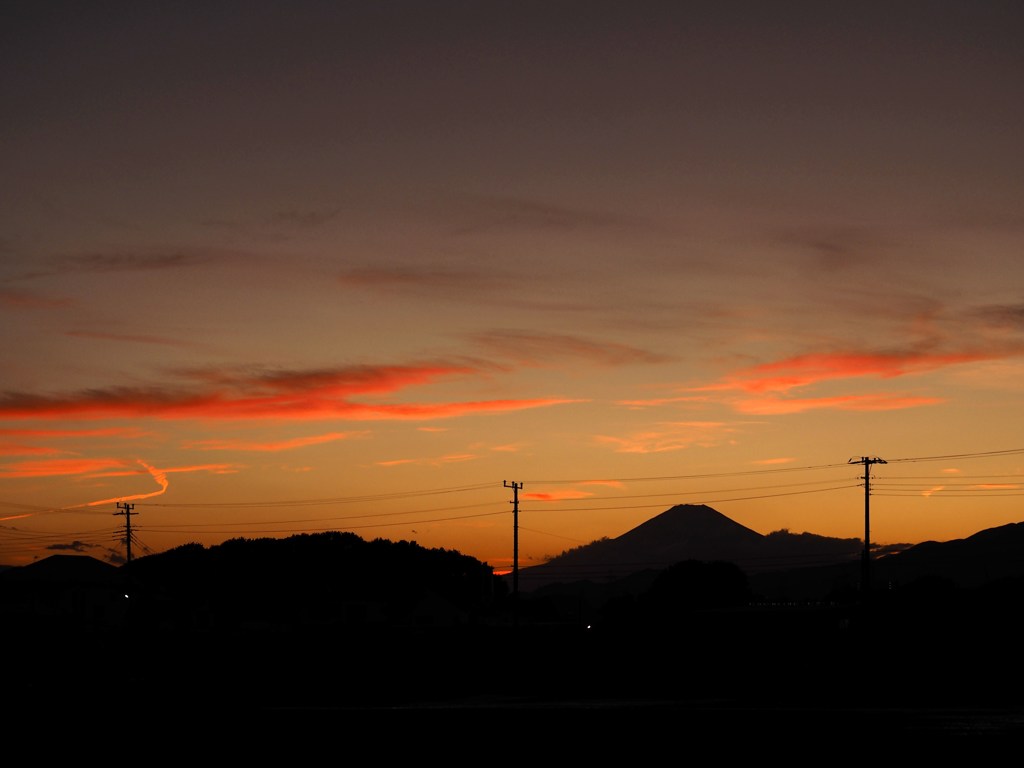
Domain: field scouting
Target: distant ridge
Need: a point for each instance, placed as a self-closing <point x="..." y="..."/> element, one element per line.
<point x="688" y="532"/>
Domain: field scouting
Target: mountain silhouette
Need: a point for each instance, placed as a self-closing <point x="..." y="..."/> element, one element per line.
<point x="688" y="532"/>
<point x="781" y="567"/>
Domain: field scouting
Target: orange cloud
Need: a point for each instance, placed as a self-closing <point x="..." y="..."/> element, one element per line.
<point x="434" y="462"/>
<point x="764" y="406"/>
<point x="804" y="370"/>
<point x="283" y="396"/>
<point x="770" y="388"/>
<point x="127" y="432"/>
<point x="657" y="401"/>
<point x="557" y="495"/>
<point x="217" y="469"/>
<point x="13" y="449"/>
<point x="281" y="445"/>
<point x="510" y="448"/>
<point x="59" y="467"/>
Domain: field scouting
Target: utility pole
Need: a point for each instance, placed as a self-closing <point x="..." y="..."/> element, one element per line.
<point x="515" y="547"/>
<point x="866" y="560"/>
<point x="126" y="510"/>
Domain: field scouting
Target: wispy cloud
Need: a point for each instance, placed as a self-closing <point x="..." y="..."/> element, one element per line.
<point x="504" y="214"/>
<point x="777" y="406"/>
<point x="60" y="467"/>
<point x="271" y="447"/>
<point x="533" y="348"/>
<point x="805" y="370"/>
<point x="125" y="432"/>
<point x="278" y="395"/>
<point x="1002" y="316"/>
<point x="19" y="300"/>
<point x="776" y="388"/>
<point x="563" y="495"/>
<point x="132" y="338"/>
<point x="18" y="449"/>
<point x="113" y="262"/>
<point x="94" y="468"/>
<point x="670" y="436"/>
<point x="421" y="280"/>
<point x="437" y="461"/>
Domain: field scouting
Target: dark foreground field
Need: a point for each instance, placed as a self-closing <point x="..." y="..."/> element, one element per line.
<point x="722" y="687"/>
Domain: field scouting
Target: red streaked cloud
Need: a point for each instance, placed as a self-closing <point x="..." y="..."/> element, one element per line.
<point x="773" y="388"/>
<point x="805" y="370"/>
<point x="15" y="449"/>
<point x="94" y="468"/>
<point x="216" y="469"/>
<point x="774" y="406"/>
<point x="280" y="396"/>
<point x="272" y="447"/>
<point x="60" y="467"/>
<point x="126" y="432"/>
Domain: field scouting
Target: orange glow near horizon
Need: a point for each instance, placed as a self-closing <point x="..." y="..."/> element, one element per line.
<point x="310" y="322"/>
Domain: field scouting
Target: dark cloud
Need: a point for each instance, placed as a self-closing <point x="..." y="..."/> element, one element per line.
<point x="92" y="263"/>
<point x="1009" y="316"/>
<point x="505" y="214"/>
<point x="419" y="279"/>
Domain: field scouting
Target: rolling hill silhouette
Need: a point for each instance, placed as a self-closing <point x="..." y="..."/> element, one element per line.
<point x="330" y="621"/>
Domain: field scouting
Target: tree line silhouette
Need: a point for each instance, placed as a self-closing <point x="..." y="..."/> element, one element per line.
<point x="333" y="620"/>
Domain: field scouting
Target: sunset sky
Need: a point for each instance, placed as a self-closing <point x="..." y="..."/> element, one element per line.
<point x="273" y="268"/>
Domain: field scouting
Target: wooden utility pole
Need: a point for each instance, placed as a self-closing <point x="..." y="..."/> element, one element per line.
<point x="126" y="510"/>
<point x="515" y="547"/>
<point x="866" y="559"/>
